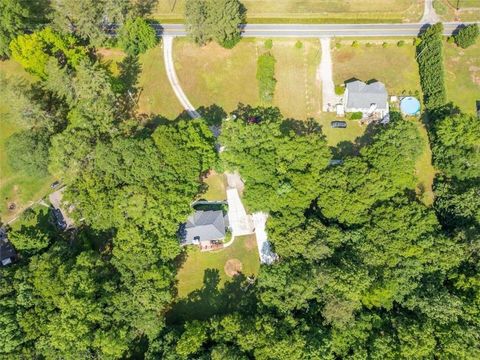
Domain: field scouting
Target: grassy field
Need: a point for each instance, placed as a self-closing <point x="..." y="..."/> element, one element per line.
<point x="469" y="10"/>
<point x="394" y="66"/>
<point x="15" y="187"/>
<point x="424" y="169"/>
<point x="311" y="10"/>
<point x="336" y="136"/>
<point x="217" y="186"/>
<point x="462" y="78"/>
<point x="156" y="96"/>
<point x="297" y="94"/>
<point x="191" y="274"/>
<point x="214" y="75"/>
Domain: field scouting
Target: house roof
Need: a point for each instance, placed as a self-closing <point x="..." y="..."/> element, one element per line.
<point x="6" y="249"/>
<point x="361" y="95"/>
<point x="204" y="226"/>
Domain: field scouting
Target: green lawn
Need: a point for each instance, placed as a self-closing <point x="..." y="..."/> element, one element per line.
<point x="156" y="94"/>
<point x="336" y="136"/>
<point x="394" y="66"/>
<point x="190" y="276"/>
<point x="462" y="78"/>
<point x="15" y="187"/>
<point x="424" y="169"/>
<point x="217" y="186"/>
<point x="214" y="75"/>
<point x="297" y="94"/>
<point x="311" y="10"/>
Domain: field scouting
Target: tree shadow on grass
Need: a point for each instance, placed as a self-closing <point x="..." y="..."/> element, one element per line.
<point x="127" y="83"/>
<point x="208" y="301"/>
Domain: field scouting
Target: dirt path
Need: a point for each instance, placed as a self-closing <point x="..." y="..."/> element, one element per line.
<point x="429" y="14"/>
<point x="172" y="77"/>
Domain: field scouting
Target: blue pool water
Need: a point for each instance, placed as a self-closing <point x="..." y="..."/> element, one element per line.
<point x="410" y="106"/>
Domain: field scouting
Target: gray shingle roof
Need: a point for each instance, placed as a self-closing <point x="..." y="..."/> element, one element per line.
<point x="362" y="96"/>
<point x="6" y="249"/>
<point x="204" y="226"/>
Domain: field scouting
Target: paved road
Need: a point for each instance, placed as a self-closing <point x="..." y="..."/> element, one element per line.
<point x="319" y="30"/>
<point x="172" y="77"/>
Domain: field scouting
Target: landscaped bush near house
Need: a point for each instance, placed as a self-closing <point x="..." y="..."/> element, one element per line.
<point x="467" y="36"/>
<point x="266" y="76"/>
<point x="339" y="89"/>
<point x="355" y="115"/>
<point x="430" y="64"/>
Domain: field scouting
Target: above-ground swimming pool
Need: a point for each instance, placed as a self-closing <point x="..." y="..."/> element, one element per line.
<point x="410" y="106"/>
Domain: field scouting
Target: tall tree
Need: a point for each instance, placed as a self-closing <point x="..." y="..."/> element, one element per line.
<point x="136" y="36"/>
<point x="14" y="20"/>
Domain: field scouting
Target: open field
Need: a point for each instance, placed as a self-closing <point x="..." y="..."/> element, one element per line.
<point x="156" y="94"/>
<point x="191" y="274"/>
<point x="297" y="94"/>
<point x="462" y="78"/>
<point x="214" y="75"/>
<point x="469" y="10"/>
<point x="394" y="66"/>
<point x="311" y="10"/>
<point x="15" y="187"/>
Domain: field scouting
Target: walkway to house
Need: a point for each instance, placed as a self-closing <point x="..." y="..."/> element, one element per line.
<point x="325" y="75"/>
<point x="172" y="77"/>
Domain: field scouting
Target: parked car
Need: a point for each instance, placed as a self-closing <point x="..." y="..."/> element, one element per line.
<point x="339" y="124"/>
<point x="55" y="184"/>
<point x="59" y="220"/>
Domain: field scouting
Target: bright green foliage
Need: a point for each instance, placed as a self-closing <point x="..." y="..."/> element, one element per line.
<point x="192" y="339"/>
<point x="280" y="160"/>
<point x="467" y="36"/>
<point x="217" y="20"/>
<point x="29" y="239"/>
<point x="457" y="146"/>
<point x="430" y="63"/>
<point x="136" y="36"/>
<point x="385" y="168"/>
<point x="33" y="51"/>
<point x="14" y="17"/>
<point x="88" y="19"/>
<point x="27" y="151"/>
<point x="266" y="77"/>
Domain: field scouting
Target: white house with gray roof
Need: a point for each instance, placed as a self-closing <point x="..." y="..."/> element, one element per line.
<point x="369" y="99"/>
<point x="204" y="228"/>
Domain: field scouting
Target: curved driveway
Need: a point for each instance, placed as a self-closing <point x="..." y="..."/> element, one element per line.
<point x="172" y="77"/>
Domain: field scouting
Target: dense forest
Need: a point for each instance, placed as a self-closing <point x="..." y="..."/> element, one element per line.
<point x="365" y="271"/>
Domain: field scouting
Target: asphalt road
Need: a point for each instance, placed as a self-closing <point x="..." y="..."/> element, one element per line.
<point x="319" y="30"/>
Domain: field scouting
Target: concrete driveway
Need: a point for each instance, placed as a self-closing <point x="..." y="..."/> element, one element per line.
<point x="267" y="256"/>
<point x="240" y="222"/>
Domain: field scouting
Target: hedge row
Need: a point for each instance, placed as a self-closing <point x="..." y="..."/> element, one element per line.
<point x="430" y="62"/>
<point x="266" y="77"/>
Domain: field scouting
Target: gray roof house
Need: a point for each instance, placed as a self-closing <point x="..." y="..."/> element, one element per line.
<point x="369" y="99"/>
<point x="7" y="252"/>
<point x="203" y="227"/>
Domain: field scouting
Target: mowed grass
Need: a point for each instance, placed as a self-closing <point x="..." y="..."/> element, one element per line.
<point x="462" y="75"/>
<point x="297" y="93"/>
<point x="190" y="276"/>
<point x="469" y="10"/>
<point x="335" y="136"/>
<point x="424" y="170"/>
<point x="261" y="10"/>
<point x="156" y="94"/>
<point x="214" y="75"/>
<point x="15" y="187"/>
<point x="394" y="66"/>
<point x="216" y="187"/>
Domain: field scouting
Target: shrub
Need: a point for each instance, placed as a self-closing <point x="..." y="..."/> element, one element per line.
<point x="385" y="44"/>
<point x="268" y="44"/>
<point x="401" y="43"/>
<point x="299" y="44"/>
<point x="355" y="44"/>
<point x="467" y="36"/>
<point x="266" y="76"/>
<point x="416" y="41"/>
<point x="430" y="64"/>
<point x="369" y="44"/>
<point x="450" y="39"/>
<point x="338" y="44"/>
<point x="339" y="89"/>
